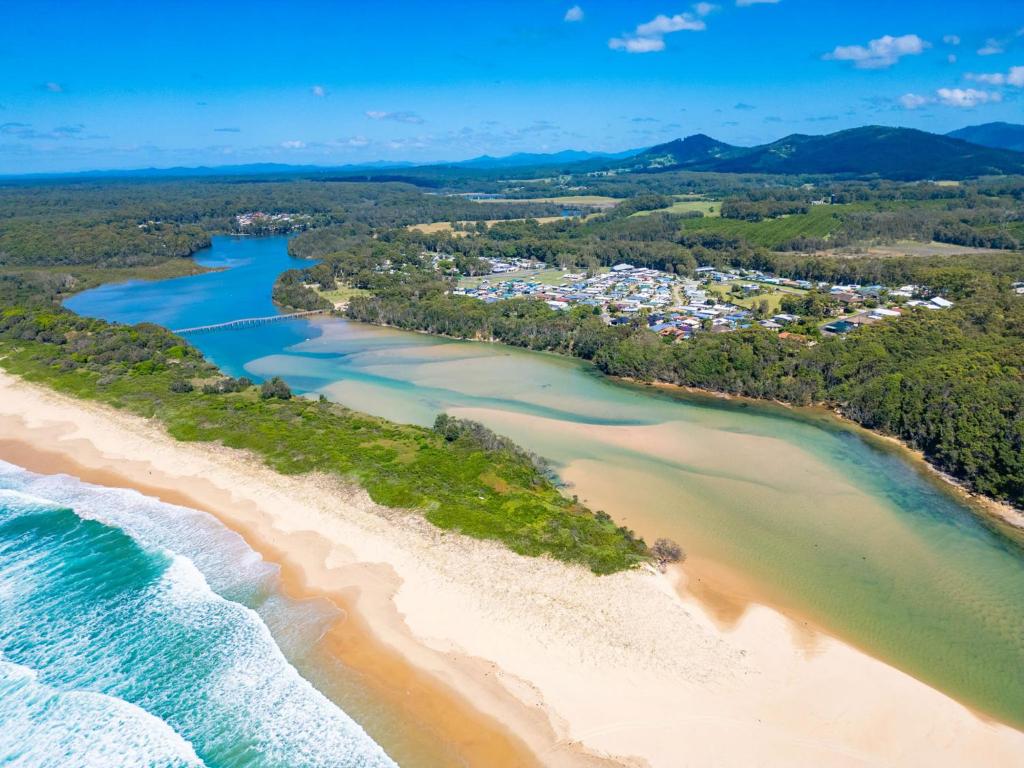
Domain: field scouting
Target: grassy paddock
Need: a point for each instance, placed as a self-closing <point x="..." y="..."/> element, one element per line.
<point x="709" y="208"/>
<point x="820" y="221"/>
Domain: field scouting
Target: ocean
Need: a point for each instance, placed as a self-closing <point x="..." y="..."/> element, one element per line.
<point x="139" y="633"/>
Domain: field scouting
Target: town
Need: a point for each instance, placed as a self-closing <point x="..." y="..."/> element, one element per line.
<point x="712" y="300"/>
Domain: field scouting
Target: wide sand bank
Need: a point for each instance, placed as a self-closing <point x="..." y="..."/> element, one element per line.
<point x="495" y="659"/>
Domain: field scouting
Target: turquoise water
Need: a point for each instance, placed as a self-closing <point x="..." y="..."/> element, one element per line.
<point x="835" y="527"/>
<point x="138" y="633"/>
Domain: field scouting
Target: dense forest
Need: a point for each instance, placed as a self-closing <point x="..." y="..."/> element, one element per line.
<point x="118" y="223"/>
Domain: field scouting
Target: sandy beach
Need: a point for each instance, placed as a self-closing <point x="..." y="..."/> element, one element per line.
<point x="524" y="661"/>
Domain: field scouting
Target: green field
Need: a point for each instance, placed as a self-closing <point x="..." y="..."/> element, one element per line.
<point x="342" y="293"/>
<point x="708" y="207"/>
<point x="773" y="295"/>
<point x="820" y="221"/>
<point x="543" y="276"/>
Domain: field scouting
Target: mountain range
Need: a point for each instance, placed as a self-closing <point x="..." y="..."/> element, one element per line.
<point x="894" y="153"/>
<point x="999" y="135"/>
<point x="870" y="151"/>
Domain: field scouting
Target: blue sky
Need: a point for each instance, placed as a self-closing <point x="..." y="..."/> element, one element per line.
<point x="125" y="85"/>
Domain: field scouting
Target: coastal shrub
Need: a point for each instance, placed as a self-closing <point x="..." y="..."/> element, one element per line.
<point x="666" y="551"/>
<point x="226" y="385"/>
<point x="275" y="387"/>
<point x="461" y="477"/>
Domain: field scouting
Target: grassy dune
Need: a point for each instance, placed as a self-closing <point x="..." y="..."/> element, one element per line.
<point x="479" y="487"/>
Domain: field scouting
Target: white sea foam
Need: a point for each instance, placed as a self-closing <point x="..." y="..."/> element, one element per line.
<point x="46" y="728"/>
<point x="208" y="665"/>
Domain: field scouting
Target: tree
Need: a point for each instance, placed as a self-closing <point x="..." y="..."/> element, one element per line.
<point x="275" y="387"/>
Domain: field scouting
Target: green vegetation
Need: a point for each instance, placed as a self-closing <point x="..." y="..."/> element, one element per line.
<point x="820" y="222"/>
<point x="949" y="383"/>
<point x="543" y="276"/>
<point x="458" y="477"/>
<point x="768" y="297"/>
<point x="681" y="207"/>
<point x="342" y="293"/>
<point x="291" y="292"/>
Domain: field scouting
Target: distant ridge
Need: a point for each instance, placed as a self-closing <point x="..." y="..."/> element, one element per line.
<point x="997" y="135"/>
<point x="566" y="158"/>
<point x="885" y="152"/>
<point x="902" y="154"/>
<point x="527" y="159"/>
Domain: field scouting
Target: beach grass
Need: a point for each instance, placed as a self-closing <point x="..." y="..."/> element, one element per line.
<point x="456" y="484"/>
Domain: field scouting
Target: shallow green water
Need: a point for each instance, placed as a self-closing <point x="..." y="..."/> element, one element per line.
<point x="838" y="528"/>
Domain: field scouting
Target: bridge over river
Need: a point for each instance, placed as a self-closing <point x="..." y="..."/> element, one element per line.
<point x="247" y="322"/>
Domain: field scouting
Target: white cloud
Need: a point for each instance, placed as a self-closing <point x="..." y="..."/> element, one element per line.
<point x="704" y="9"/>
<point x="991" y="47"/>
<point x="744" y="3"/>
<point x="399" y="117"/>
<point x="664" y="25"/>
<point x="880" y="53"/>
<point x="649" y="37"/>
<point x="951" y="58"/>
<point x="951" y="39"/>
<point x="966" y="97"/>
<point x="913" y="101"/>
<point x="293" y="144"/>
<point x="319" y="91"/>
<point x="54" y="87"/>
<point x="574" y="14"/>
<point x="1015" y="77"/>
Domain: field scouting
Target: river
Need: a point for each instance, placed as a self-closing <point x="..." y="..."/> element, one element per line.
<point x="843" y="532"/>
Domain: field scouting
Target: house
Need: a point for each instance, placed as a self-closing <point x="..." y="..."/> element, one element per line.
<point x="784" y="318"/>
<point x="623" y="268"/>
<point x="941" y="303"/>
<point x="845" y="297"/>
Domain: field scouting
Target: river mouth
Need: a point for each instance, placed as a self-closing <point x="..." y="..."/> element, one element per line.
<point x="774" y="508"/>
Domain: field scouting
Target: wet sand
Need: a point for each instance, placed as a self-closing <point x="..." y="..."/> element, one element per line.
<point x="505" y="660"/>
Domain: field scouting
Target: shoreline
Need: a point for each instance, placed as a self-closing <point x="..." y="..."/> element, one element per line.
<point x="546" y="663"/>
<point x="987" y="508"/>
<point x="992" y="510"/>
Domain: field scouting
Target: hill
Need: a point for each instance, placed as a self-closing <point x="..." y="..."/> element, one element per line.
<point x="894" y="153"/>
<point x="997" y="135"/>
<point x="689" y="152"/>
